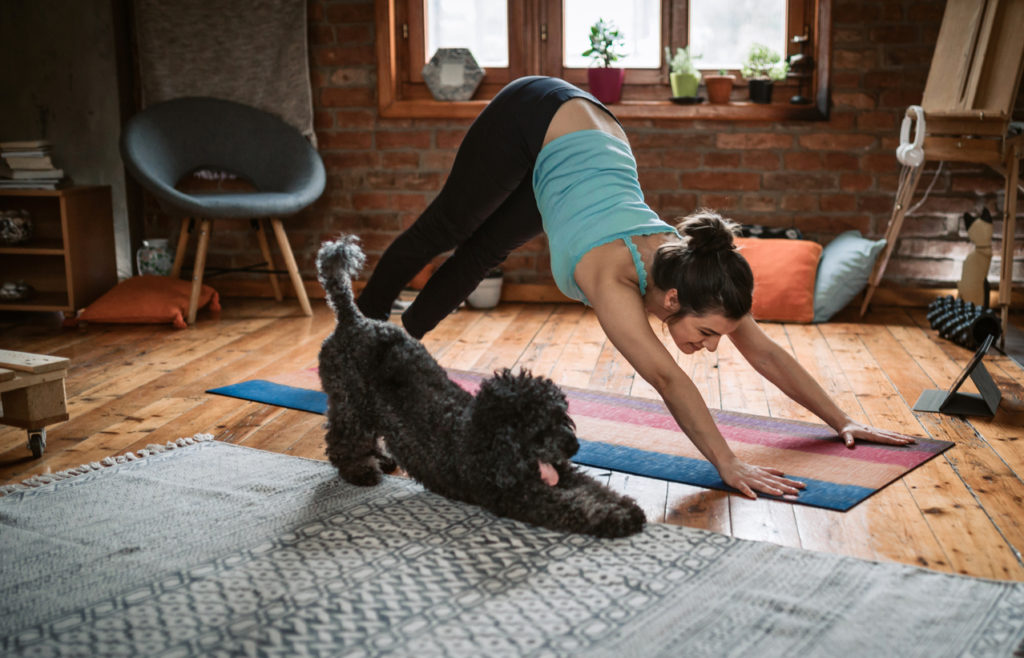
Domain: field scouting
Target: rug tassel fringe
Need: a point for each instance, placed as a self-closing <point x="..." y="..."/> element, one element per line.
<point x="151" y="449"/>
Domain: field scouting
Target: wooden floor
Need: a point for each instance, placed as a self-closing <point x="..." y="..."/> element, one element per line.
<point x="963" y="512"/>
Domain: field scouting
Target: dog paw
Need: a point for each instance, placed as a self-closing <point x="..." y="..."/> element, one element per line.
<point x="621" y="521"/>
<point x="363" y="475"/>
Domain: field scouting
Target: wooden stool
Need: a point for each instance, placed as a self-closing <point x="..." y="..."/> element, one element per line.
<point x="32" y="394"/>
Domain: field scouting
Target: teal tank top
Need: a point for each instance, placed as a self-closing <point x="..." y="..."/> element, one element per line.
<point x="588" y="194"/>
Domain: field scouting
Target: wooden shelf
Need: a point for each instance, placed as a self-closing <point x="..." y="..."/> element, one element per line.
<point x="70" y="259"/>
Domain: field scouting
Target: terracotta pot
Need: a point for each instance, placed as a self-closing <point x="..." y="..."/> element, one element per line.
<point x="719" y="88"/>
<point x="606" y="83"/>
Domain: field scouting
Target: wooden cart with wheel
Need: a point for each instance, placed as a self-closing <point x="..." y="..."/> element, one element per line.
<point x="32" y="394"/>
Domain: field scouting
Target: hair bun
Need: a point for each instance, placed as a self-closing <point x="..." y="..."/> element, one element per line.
<point x="707" y="232"/>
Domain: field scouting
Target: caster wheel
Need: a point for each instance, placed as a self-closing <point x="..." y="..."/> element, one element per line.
<point x="37" y="442"/>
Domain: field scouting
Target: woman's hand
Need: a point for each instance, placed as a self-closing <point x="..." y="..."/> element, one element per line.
<point x="748" y="478"/>
<point x="853" y="430"/>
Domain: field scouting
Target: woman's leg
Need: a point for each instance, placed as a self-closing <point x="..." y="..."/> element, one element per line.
<point x="513" y="224"/>
<point x="491" y="163"/>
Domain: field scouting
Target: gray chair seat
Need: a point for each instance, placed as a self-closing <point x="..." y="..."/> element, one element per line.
<point x="169" y="141"/>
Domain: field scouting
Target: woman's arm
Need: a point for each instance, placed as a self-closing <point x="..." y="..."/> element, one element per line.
<point x="621" y="312"/>
<point x="779" y="367"/>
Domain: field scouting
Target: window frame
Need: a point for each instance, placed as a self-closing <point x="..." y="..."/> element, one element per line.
<point x="402" y="93"/>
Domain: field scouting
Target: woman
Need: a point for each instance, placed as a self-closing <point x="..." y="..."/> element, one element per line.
<point x="546" y="156"/>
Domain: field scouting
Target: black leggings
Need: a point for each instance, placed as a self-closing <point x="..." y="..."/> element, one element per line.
<point x="485" y="210"/>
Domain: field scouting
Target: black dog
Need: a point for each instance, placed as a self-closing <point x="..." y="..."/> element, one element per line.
<point x="507" y="449"/>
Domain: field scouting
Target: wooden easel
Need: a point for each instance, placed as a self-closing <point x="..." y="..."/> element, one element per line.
<point x="968" y="103"/>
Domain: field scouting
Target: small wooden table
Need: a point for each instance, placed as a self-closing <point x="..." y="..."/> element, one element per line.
<point x="32" y="394"/>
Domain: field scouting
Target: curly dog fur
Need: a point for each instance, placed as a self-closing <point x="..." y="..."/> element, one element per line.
<point x="484" y="450"/>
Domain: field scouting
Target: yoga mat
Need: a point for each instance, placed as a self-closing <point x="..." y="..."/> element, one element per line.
<point x="639" y="436"/>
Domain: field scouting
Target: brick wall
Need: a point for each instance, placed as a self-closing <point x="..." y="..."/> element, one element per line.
<point x="821" y="177"/>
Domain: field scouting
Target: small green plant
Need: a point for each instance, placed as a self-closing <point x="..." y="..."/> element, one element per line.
<point x="605" y="42"/>
<point x="763" y="63"/>
<point x="682" y="61"/>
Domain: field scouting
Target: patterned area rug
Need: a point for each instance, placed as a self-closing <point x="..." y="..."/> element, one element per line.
<point x="215" y="549"/>
<point x="639" y="436"/>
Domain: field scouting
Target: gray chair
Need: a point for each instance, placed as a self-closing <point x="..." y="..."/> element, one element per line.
<point x="170" y="140"/>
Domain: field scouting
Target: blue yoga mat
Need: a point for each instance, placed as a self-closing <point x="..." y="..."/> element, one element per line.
<point x="673" y="468"/>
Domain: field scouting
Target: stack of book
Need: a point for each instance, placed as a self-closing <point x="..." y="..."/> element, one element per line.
<point x="28" y="165"/>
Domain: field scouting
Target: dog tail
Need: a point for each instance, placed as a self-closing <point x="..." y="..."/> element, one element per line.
<point x="336" y="264"/>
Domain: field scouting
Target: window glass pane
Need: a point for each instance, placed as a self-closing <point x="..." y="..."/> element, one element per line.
<point x="480" y="25"/>
<point x="639" y="21"/>
<point x="721" y="31"/>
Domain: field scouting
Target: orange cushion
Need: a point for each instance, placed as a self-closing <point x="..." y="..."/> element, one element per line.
<point x="784" y="273"/>
<point x="148" y="299"/>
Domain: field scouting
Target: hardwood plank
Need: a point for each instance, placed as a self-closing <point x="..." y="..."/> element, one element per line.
<point x="899" y="528"/>
<point x="509" y="346"/>
<point x="543" y="352"/>
<point x="470" y="346"/>
<point x="579" y="358"/>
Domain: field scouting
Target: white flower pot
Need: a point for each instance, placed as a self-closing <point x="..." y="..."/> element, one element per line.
<point x="487" y="293"/>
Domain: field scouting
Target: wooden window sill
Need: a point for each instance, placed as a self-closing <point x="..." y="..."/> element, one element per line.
<point x="735" y="111"/>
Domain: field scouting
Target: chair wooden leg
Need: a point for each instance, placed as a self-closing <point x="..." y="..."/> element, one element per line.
<point x="197" y="272"/>
<point x="1009" y="232"/>
<point x="293" y="268"/>
<point x="261" y="235"/>
<point x="179" y="252"/>
<point x="903" y="198"/>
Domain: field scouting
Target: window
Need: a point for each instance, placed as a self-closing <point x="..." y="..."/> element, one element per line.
<point x="512" y="38"/>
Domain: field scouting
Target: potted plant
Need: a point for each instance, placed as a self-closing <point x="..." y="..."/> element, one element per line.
<point x="683" y="75"/>
<point x="763" y="67"/>
<point x="719" y="87"/>
<point x="605" y="81"/>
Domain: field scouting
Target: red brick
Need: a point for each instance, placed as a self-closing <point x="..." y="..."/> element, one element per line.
<point x="875" y="203"/>
<point x="836" y="142"/>
<point x="847" y="80"/>
<point x="889" y="79"/>
<point x="892" y="34"/>
<point x="799" y="181"/>
<point x="887" y="121"/>
<point x="323" y="120"/>
<point x="420" y="181"/>
<point x="833" y="225"/>
<point x="675" y="203"/>
<point x="854" y="59"/>
<point x="355" y="119"/>
<point x="449" y="139"/>
<point x="720" y="181"/>
<point x="351" y="76"/>
<point x="719" y="160"/>
<point x="659" y="180"/>
<point x="855" y="11"/>
<point x="803" y="161"/>
<point x="855" y="182"/>
<point x="321" y="35"/>
<point x="835" y="161"/>
<point x="858" y="100"/>
<point x="349" y="160"/>
<point x="372" y="201"/>
<point x="348" y="139"/>
<point x="800" y="202"/>
<point x="347" y="97"/>
<point x="400" y="160"/>
<point x="759" y="202"/>
<point x="761" y="160"/>
<point x="937" y="204"/>
<point x="752" y="141"/>
<point x="719" y="202"/>
<point x="880" y="162"/>
<point x="404" y="139"/>
<point x="343" y="55"/>
<point x="838" y="202"/>
<point x="437" y="161"/>
<point x="978" y="184"/>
